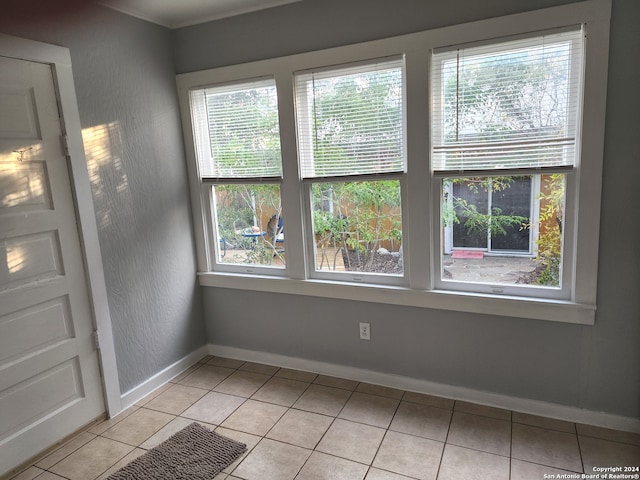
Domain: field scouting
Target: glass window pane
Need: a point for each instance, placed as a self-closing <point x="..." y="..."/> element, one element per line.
<point x="507" y="105"/>
<point x="358" y="226"/>
<point x="237" y="130"/>
<point x="250" y="224"/>
<point x="350" y="120"/>
<point x="503" y="230"/>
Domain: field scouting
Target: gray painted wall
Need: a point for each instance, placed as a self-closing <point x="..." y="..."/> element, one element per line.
<point x="593" y="367"/>
<point x="125" y="78"/>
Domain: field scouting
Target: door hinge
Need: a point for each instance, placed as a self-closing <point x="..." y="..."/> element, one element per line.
<point x="64" y="141"/>
<point x="96" y="339"/>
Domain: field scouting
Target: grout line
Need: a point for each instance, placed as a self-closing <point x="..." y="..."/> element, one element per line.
<point x="511" y="447"/>
<point x="580" y="452"/>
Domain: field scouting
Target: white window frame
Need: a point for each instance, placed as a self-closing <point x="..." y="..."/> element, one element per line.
<point x="207" y="185"/>
<point x="419" y="243"/>
<point x="307" y="183"/>
<point x="567" y="285"/>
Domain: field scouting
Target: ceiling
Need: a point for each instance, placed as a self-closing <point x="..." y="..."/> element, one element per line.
<point x="182" y="13"/>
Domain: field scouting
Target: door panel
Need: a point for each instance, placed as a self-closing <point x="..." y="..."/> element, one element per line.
<point x="472" y="198"/>
<point x="513" y="201"/>
<point x="467" y="198"/>
<point x="50" y="382"/>
<point x="34" y="328"/>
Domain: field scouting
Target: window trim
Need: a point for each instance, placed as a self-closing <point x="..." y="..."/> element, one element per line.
<point x="551" y="293"/>
<point x="348" y="276"/>
<point x="419" y="289"/>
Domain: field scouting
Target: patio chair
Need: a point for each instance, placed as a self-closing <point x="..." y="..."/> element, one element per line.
<point x="275" y="230"/>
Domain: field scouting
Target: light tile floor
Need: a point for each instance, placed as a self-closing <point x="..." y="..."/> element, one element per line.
<point x="299" y="425"/>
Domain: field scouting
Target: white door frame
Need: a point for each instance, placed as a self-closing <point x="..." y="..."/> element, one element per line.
<point x="60" y="60"/>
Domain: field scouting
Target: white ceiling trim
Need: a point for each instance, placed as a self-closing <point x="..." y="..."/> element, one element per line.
<point x="172" y="14"/>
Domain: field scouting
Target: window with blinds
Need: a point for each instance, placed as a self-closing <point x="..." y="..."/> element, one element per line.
<point x="236" y="131"/>
<point x="350" y="120"/>
<point x="510" y="105"/>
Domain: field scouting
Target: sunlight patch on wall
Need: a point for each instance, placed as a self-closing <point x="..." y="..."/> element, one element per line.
<point x="103" y="150"/>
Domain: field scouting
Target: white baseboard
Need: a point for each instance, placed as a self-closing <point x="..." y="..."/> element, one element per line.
<point x="533" y="407"/>
<point x="162" y="377"/>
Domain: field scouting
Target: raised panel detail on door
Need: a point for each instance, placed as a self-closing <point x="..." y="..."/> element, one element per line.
<point x="30" y="258"/>
<point x="24" y="187"/>
<point x="20" y="118"/>
<point x="38" y="397"/>
<point x="24" y="332"/>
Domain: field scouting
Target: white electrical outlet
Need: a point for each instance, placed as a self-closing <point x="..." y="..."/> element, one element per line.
<point x="365" y="331"/>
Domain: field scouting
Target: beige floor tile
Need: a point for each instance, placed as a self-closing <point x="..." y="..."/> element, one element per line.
<point x="296" y="375"/>
<point x="431" y="400"/>
<point x="543" y="422"/>
<point x="65" y="450"/>
<point x="142" y="402"/>
<point x="546" y="447"/>
<point x="213" y="408"/>
<point x="130" y="457"/>
<point x="207" y="376"/>
<point x="408" y="455"/>
<point x="304" y="429"/>
<point x="380" y="390"/>
<point x="102" y="427"/>
<point x="481" y="433"/>
<point x="353" y="446"/>
<point x="483" y="410"/>
<point x="370" y="409"/>
<point x="335" y="382"/>
<point x="185" y="373"/>
<point x="176" y="399"/>
<point x="271" y="460"/>
<point x="242" y="384"/>
<point x="527" y="471"/>
<point x="205" y="359"/>
<point x="459" y="462"/>
<point x="422" y="420"/>
<point x="225" y="362"/>
<point x="353" y="441"/>
<point x="249" y="440"/>
<point x="377" y="474"/>
<point x="324" y="400"/>
<point x="604" y="453"/>
<point x="138" y="426"/>
<point x="608" y="434"/>
<point x="92" y="459"/>
<point x="281" y="391"/>
<point x="321" y="467"/>
<point x="171" y="428"/>
<point x="50" y="476"/>
<point x="259" y="368"/>
<point x="28" y="474"/>
<point x="254" y="417"/>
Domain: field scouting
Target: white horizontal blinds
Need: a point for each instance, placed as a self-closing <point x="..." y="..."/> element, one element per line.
<point x="236" y="131"/>
<point x="351" y="120"/>
<point x="507" y="106"/>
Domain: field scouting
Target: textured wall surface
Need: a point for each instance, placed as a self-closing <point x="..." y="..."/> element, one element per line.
<point x="125" y="83"/>
<point x="593" y="367"/>
<point x="317" y="24"/>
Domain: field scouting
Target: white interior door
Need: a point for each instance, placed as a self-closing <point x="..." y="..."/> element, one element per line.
<point x="50" y="381"/>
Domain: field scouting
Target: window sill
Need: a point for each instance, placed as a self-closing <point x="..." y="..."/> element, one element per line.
<point x="518" y="307"/>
